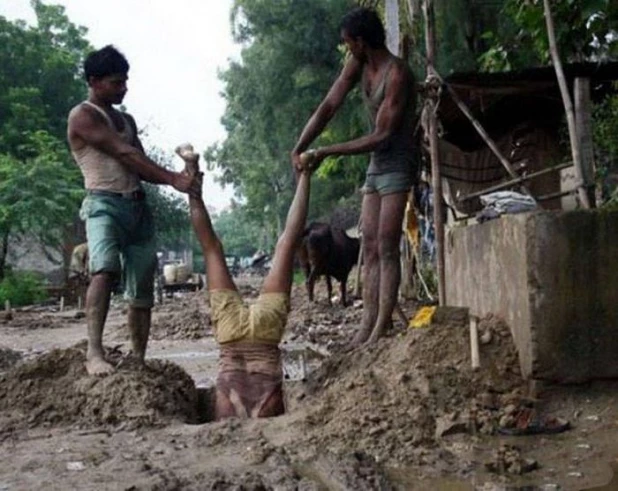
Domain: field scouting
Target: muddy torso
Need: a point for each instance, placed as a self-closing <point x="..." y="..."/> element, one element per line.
<point x="397" y="153"/>
<point x="101" y="171"/>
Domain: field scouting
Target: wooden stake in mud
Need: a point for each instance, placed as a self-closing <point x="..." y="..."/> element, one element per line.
<point x="7" y="305"/>
<point x="474" y="343"/>
<point x="568" y="107"/>
<point x="79" y="302"/>
<point x="433" y="85"/>
<point x="62" y="304"/>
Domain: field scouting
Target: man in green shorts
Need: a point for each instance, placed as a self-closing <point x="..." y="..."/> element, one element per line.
<point x="387" y="88"/>
<point x="250" y="376"/>
<point x="119" y="225"/>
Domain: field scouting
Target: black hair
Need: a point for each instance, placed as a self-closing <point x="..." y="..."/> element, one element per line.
<point x="105" y="61"/>
<point x="364" y="23"/>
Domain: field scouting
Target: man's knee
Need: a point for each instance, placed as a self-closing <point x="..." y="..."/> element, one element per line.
<point x="103" y="279"/>
<point x="388" y="248"/>
<point x="370" y="248"/>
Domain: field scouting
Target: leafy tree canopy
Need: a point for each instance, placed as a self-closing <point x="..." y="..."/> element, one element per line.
<point x="289" y="60"/>
<point x="40" y="186"/>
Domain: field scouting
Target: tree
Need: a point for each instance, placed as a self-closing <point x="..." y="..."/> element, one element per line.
<point x="40" y="71"/>
<point x="40" y="186"/>
<point x="170" y="209"/>
<point x="239" y="234"/>
<point x="38" y="195"/>
<point x="586" y="30"/>
<point x="288" y="63"/>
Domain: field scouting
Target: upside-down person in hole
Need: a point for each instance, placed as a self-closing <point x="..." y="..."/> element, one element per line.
<point x="250" y="376"/>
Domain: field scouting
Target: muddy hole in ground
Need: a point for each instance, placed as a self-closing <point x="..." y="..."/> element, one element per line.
<point x="205" y="408"/>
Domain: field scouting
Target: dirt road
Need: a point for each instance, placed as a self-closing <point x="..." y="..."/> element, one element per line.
<point x="408" y="413"/>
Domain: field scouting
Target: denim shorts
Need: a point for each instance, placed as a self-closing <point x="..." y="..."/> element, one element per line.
<point x="121" y="241"/>
<point x="392" y="182"/>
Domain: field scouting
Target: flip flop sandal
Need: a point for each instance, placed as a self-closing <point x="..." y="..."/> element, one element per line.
<point x="548" y="426"/>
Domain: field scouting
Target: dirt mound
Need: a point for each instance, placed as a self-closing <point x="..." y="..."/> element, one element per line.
<point x="330" y="326"/>
<point x="54" y="389"/>
<point x="187" y="318"/>
<point x="8" y="358"/>
<point x="401" y="397"/>
<point x="37" y="320"/>
<point x="269" y="466"/>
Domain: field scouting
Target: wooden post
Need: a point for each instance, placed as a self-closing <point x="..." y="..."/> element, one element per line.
<point x="474" y="343"/>
<point x="391" y="19"/>
<point x="583" y="123"/>
<point x="359" y="265"/>
<point x="568" y="106"/>
<point x="436" y="179"/>
<point x="503" y="185"/>
<point x="7" y="305"/>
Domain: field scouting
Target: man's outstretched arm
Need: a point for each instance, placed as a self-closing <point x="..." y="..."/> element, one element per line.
<point x="279" y="279"/>
<point x="89" y="127"/>
<point x="348" y="77"/>
<point x="217" y="275"/>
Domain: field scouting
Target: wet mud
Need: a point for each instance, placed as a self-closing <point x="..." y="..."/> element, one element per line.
<point x="406" y="413"/>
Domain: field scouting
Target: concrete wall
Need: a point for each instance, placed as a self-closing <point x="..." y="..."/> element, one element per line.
<point x="27" y="254"/>
<point x="553" y="277"/>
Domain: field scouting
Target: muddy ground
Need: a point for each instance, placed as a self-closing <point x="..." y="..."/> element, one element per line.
<point x="407" y="413"/>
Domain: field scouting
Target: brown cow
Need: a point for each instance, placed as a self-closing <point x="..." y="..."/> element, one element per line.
<point x="327" y="251"/>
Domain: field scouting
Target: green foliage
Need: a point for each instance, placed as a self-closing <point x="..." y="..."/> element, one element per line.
<point x="40" y="186"/>
<point x="22" y="289"/>
<point x="605" y="117"/>
<point x="583" y="32"/>
<point x="289" y="61"/>
<point x="605" y="137"/>
<point x="39" y="196"/>
<point x="299" y="277"/>
<point x="460" y="31"/>
<point x="170" y="209"/>
<point x="39" y="75"/>
<point x="239" y="234"/>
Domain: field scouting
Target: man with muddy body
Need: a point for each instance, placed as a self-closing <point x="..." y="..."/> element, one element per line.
<point x="387" y="88"/>
<point x="250" y="376"/>
<point x="119" y="225"/>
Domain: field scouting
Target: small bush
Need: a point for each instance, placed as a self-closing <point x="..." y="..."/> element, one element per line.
<point x="21" y="289"/>
<point x="299" y="277"/>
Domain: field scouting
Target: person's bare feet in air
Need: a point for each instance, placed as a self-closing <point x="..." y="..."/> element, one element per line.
<point x="186" y="153"/>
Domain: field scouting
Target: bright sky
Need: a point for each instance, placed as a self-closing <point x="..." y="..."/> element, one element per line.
<point x="175" y="49"/>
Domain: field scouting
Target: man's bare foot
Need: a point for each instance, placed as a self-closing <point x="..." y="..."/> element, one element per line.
<point x="375" y="335"/>
<point x="360" y="338"/>
<point x="132" y="360"/>
<point x="98" y="366"/>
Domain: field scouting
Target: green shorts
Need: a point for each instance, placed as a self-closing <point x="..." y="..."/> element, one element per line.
<point x="392" y="182"/>
<point x="121" y="241"/>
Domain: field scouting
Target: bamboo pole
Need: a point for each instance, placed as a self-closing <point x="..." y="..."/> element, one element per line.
<point x="481" y="131"/>
<point x="436" y="179"/>
<point x="506" y="184"/>
<point x="568" y="106"/>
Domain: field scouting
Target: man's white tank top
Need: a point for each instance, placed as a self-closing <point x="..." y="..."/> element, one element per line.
<point x="102" y="171"/>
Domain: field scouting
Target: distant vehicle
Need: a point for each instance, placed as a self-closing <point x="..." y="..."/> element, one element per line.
<point x="174" y="276"/>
